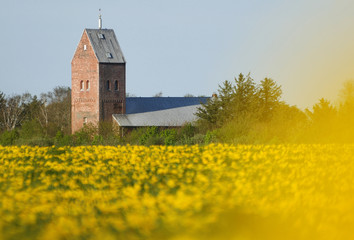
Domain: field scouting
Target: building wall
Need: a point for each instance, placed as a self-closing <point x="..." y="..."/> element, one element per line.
<point x="84" y="102"/>
<point x="112" y="101"/>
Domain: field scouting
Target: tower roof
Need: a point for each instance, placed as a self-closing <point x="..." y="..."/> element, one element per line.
<point x="105" y="45"/>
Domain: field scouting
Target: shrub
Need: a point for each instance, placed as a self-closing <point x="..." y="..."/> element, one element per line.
<point x="35" y="141"/>
<point x="150" y="136"/>
<point x="188" y="130"/>
<point x="63" y="140"/>
<point x="210" y="137"/>
<point x="169" y="136"/>
<point x="8" y="137"/>
<point x="85" y="135"/>
<point x="31" y="129"/>
<point x="197" y="139"/>
<point x="97" y="140"/>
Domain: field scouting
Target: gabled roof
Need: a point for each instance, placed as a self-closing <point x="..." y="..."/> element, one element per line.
<point x="174" y="117"/>
<point x="105" y="45"/>
<point x="148" y="104"/>
<point x="159" y="111"/>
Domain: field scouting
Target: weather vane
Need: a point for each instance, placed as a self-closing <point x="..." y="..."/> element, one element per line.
<point x="100" y="19"/>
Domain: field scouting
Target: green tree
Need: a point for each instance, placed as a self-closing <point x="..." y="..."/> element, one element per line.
<point x="209" y="111"/>
<point x="269" y="94"/>
<point x="346" y="99"/>
<point x="31" y="127"/>
<point x="244" y="100"/>
<point x="225" y="96"/>
<point x="322" y="112"/>
<point x="346" y="94"/>
<point x="233" y="101"/>
<point x="56" y="110"/>
<point x="323" y="121"/>
<point x="32" y="109"/>
<point x="13" y="112"/>
<point x="346" y="112"/>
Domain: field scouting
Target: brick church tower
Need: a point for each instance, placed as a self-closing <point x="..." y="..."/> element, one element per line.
<point x="97" y="78"/>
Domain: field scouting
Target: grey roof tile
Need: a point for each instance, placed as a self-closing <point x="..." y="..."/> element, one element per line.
<point x="174" y="117"/>
<point x="105" y="46"/>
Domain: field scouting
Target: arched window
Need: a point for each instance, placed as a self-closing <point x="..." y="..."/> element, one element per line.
<point x="82" y="85"/>
<point x="108" y="85"/>
<point x="87" y="85"/>
<point x="85" y="120"/>
<point x="116" y="86"/>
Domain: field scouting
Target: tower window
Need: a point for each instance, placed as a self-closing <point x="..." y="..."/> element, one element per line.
<point x="108" y="85"/>
<point x="82" y="86"/>
<point x="87" y="85"/>
<point x="85" y="120"/>
<point x="116" y="87"/>
<point x="85" y="47"/>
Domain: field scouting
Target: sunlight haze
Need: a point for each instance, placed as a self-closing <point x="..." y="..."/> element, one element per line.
<point x="180" y="47"/>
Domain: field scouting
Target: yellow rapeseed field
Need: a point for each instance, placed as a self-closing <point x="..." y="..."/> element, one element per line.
<point x="177" y="192"/>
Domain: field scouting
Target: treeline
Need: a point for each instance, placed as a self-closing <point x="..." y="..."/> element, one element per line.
<point x="45" y="120"/>
<point x="30" y="120"/>
<point x="244" y="112"/>
<point x="241" y="112"/>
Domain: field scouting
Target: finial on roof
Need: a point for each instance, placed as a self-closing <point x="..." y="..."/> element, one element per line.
<point x="100" y="20"/>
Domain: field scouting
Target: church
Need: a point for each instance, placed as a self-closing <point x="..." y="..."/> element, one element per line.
<point x="98" y="89"/>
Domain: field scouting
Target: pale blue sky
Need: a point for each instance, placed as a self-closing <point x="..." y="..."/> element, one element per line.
<point x="185" y="46"/>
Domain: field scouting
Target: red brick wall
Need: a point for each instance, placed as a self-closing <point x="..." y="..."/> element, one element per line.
<point x="84" y="103"/>
<point x="96" y="103"/>
<point x="111" y="101"/>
